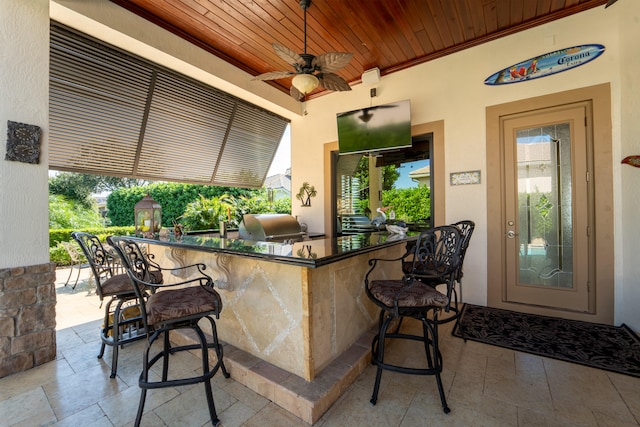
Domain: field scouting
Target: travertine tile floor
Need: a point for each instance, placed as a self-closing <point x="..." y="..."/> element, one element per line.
<point x="485" y="386"/>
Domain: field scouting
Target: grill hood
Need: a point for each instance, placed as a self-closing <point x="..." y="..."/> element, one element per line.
<point x="270" y="228"/>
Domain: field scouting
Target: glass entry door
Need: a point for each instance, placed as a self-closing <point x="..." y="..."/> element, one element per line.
<point x="547" y="209"/>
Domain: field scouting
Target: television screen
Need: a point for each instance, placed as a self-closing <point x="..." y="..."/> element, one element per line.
<point x="377" y="128"/>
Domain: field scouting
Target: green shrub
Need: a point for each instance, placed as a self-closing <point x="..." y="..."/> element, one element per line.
<point x="206" y="214"/>
<point x="64" y="235"/>
<point x="59" y="255"/>
<point x="259" y="204"/>
<point x="173" y="197"/>
<point x="409" y="204"/>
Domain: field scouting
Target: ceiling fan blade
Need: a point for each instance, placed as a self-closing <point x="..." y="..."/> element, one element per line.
<point x="288" y="56"/>
<point x="609" y="3"/>
<point x="274" y="75"/>
<point x="296" y="94"/>
<point x="332" y="81"/>
<point x="332" y="61"/>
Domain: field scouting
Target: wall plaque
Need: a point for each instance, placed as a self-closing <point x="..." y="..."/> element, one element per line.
<point x="23" y="142"/>
<point x="465" y="178"/>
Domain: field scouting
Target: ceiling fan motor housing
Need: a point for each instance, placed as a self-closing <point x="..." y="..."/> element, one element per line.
<point x="308" y="67"/>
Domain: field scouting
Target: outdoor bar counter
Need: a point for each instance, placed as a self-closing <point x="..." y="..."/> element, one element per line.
<point x="297" y="308"/>
<point x="298" y="305"/>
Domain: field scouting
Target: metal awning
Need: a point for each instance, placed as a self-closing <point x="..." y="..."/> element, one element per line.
<point x="115" y="114"/>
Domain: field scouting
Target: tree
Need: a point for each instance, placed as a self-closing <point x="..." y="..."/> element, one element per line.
<point x="74" y="186"/>
<point x="79" y="187"/>
<point x="389" y="176"/>
<point x="111" y="183"/>
<point x="64" y="213"/>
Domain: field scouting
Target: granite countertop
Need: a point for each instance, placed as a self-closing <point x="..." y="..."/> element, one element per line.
<point x="307" y="253"/>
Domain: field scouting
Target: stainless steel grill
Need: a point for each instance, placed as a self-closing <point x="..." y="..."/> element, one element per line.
<point x="270" y="228"/>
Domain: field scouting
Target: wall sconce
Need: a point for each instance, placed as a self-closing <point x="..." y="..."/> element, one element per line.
<point x="148" y="217"/>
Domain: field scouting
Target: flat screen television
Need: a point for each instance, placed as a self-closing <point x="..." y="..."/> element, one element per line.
<point x="377" y="128"/>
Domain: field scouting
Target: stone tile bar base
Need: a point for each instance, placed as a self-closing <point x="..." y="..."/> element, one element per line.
<point x="308" y="400"/>
<point x="27" y="317"/>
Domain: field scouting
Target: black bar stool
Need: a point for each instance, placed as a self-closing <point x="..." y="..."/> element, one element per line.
<point x="436" y="257"/>
<point x="122" y="322"/>
<point x="174" y="306"/>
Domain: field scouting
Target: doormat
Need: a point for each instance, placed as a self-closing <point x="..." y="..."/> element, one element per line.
<point x="611" y="348"/>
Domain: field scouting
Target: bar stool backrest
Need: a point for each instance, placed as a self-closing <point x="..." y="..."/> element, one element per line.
<point x="466" y="230"/>
<point x="103" y="264"/>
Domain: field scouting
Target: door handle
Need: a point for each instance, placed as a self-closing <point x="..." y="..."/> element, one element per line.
<point x="511" y="234"/>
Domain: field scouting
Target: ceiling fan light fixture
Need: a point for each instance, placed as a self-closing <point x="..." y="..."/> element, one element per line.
<point x="305" y="83"/>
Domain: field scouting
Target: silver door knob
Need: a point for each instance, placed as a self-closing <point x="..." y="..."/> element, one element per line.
<point x="511" y="234"/>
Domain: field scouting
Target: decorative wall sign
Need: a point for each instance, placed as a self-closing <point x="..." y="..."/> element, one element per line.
<point x="465" y="178"/>
<point x="547" y="64"/>
<point x="305" y="194"/>
<point x="23" y="142"/>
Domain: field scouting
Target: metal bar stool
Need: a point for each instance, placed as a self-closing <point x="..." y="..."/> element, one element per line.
<point x="77" y="263"/>
<point x="122" y="322"/>
<point x="174" y="306"/>
<point x="436" y="257"/>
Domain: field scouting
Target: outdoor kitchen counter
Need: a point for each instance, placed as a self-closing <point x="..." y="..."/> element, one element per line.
<point x="296" y="322"/>
<point x="297" y="306"/>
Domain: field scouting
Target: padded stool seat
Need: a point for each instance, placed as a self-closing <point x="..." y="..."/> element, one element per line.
<point x="169" y="305"/>
<point x="398" y="292"/>
<point x="118" y="285"/>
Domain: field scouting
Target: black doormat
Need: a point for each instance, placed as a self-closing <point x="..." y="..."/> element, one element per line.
<point x="611" y="348"/>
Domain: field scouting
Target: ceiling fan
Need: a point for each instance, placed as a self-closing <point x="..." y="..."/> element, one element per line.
<point x="310" y="71"/>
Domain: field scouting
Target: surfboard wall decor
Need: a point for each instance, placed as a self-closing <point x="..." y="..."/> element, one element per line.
<point x="547" y="64"/>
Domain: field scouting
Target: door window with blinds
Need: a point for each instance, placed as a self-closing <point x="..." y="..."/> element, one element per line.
<point x="112" y="113"/>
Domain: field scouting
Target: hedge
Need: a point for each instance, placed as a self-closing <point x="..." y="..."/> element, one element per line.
<point x="58" y="253"/>
<point x="173" y="197"/>
<point x="64" y="234"/>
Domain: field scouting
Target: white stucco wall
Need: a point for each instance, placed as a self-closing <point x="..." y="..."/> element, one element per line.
<point x="628" y="268"/>
<point x="24" y="98"/>
<point x="452" y="89"/>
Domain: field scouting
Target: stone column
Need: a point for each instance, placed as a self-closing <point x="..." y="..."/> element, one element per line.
<point x="27" y="317"/>
<point x="27" y="290"/>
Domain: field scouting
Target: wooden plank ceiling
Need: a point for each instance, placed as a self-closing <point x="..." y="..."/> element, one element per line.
<point x="389" y="34"/>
